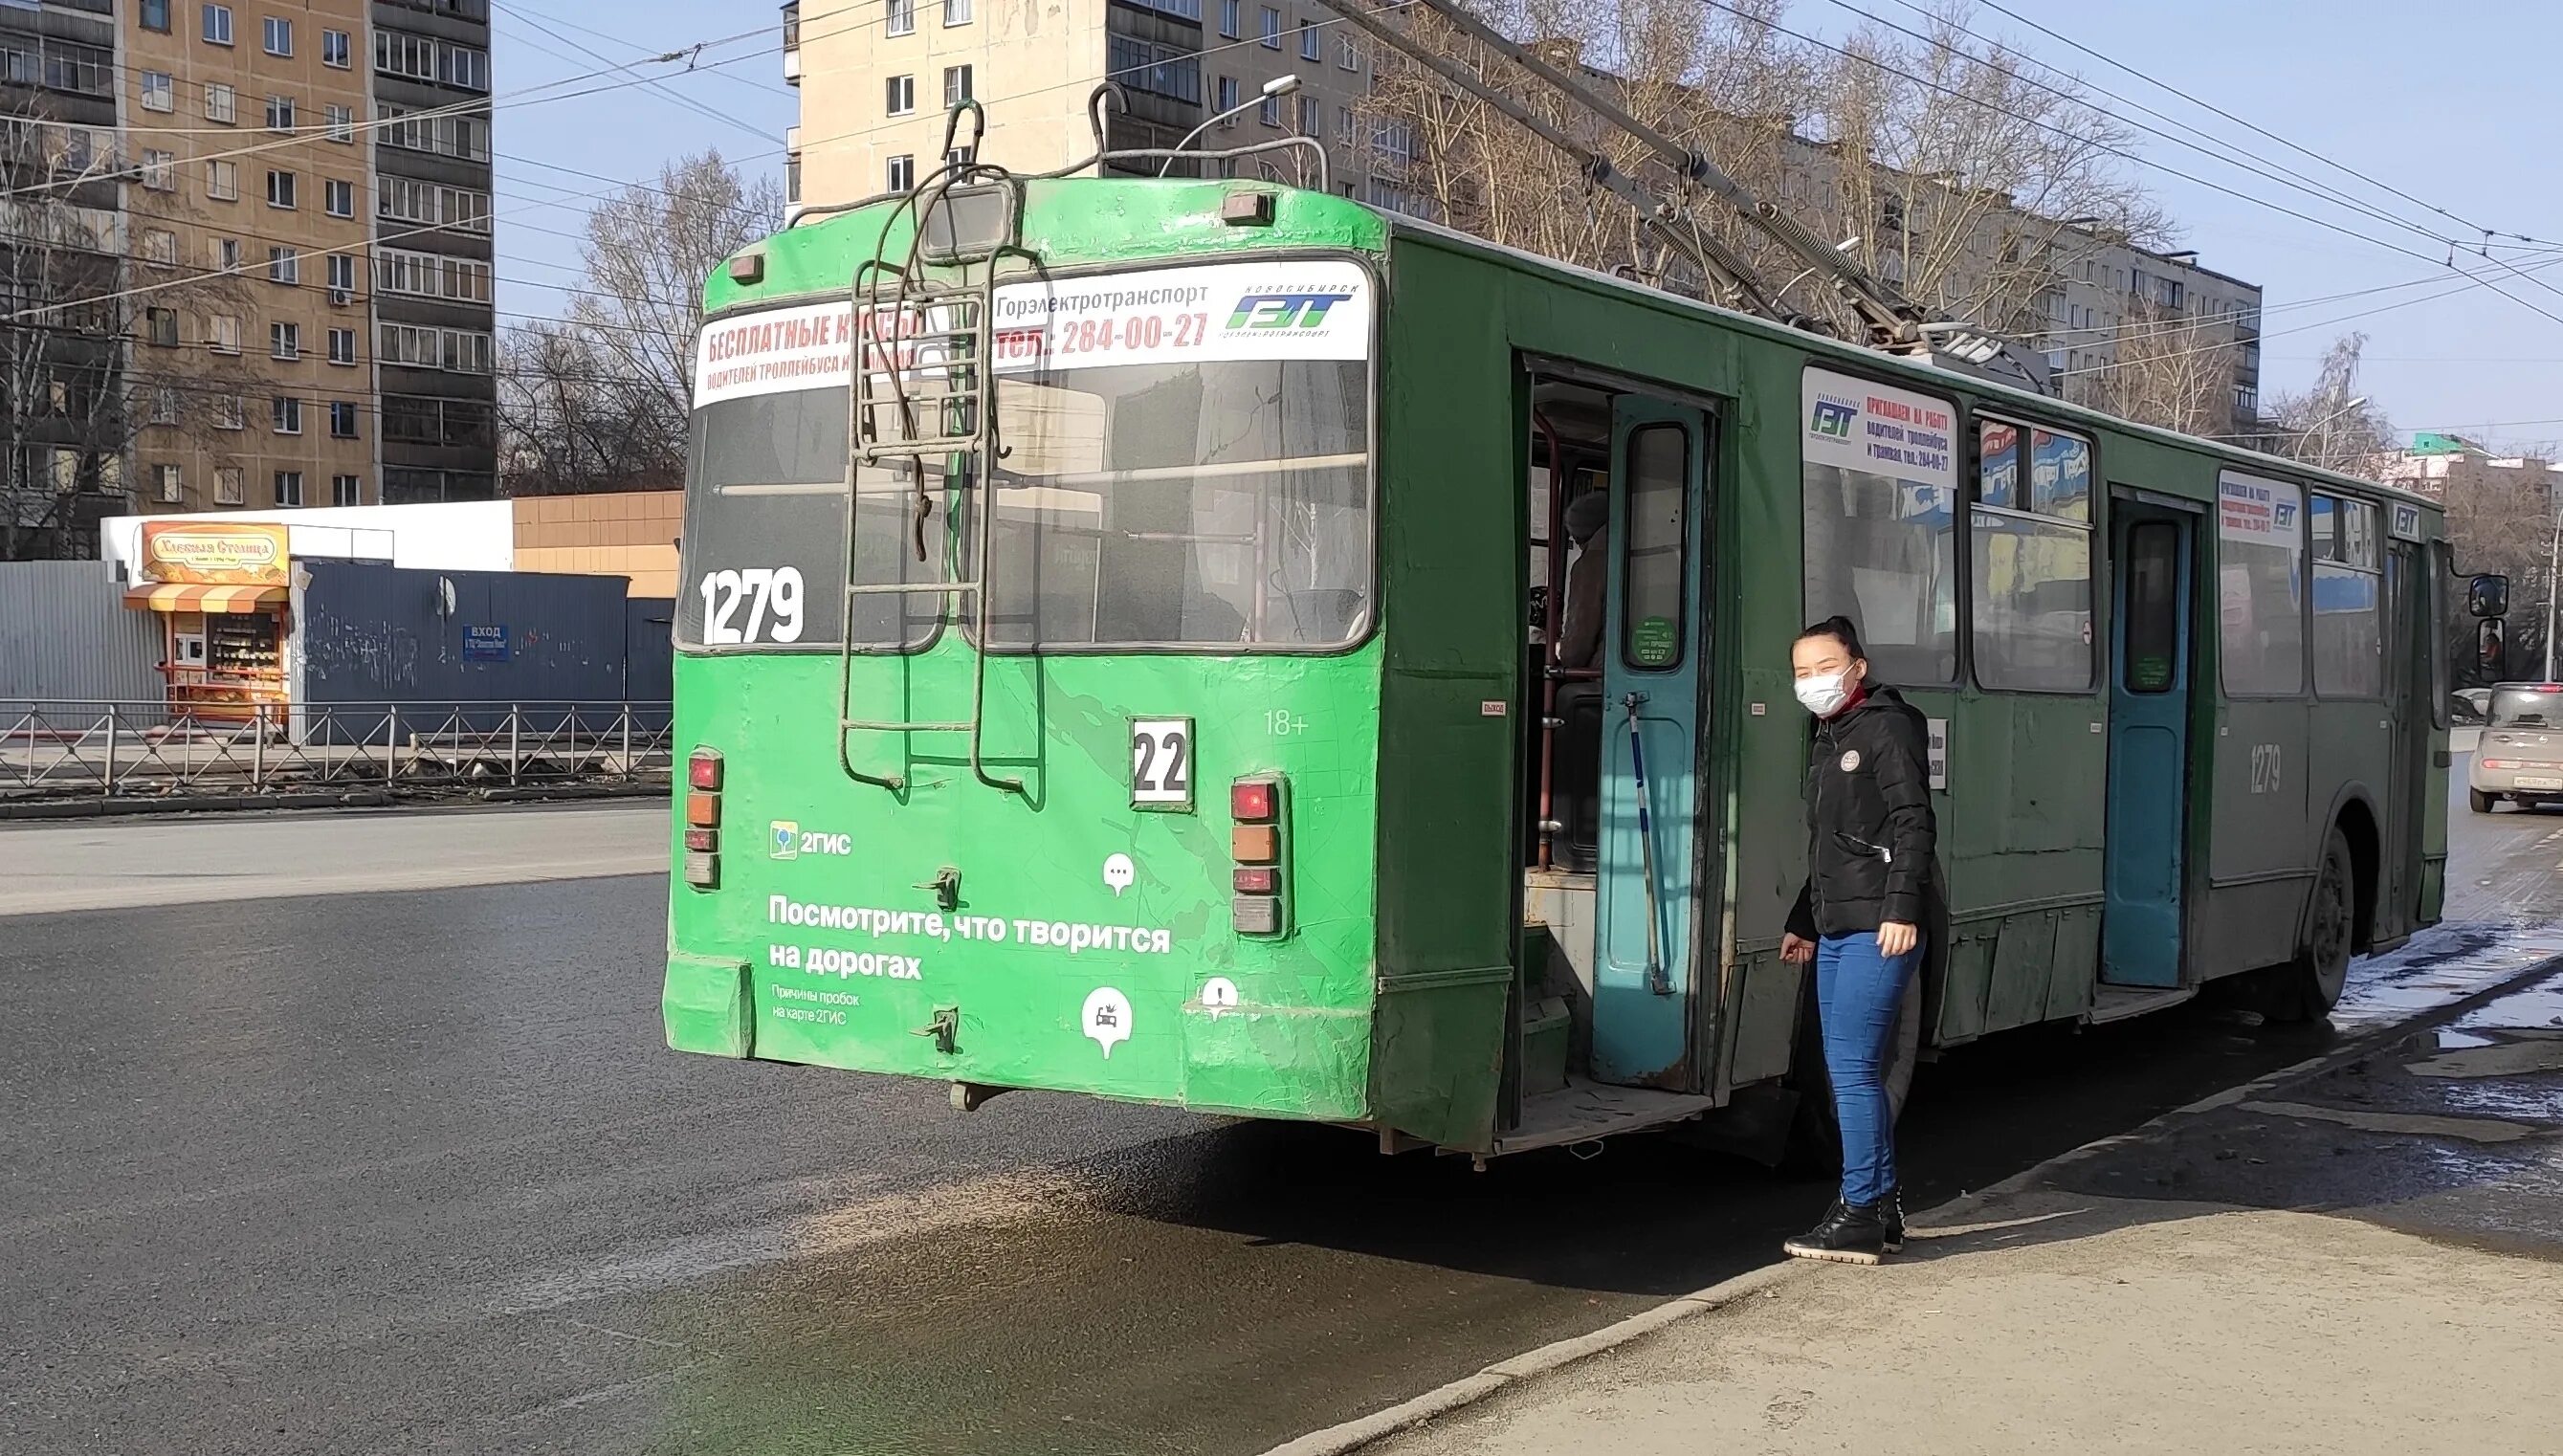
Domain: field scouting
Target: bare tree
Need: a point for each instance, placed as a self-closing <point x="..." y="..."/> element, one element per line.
<point x="2175" y="370"/>
<point x="600" y="399"/>
<point x="1949" y="171"/>
<point x="2331" y="424"/>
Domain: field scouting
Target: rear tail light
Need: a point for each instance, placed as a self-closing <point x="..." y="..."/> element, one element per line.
<point x="702" y="818"/>
<point x="2498" y="763"/>
<point x="1256" y="841"/>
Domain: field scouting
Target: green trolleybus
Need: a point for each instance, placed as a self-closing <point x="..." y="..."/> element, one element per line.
<point x="1116" y="654"/>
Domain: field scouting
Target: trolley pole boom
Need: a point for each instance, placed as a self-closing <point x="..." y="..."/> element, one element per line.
<point x="1887" y="312"/>
<point x="1704" y="253"/>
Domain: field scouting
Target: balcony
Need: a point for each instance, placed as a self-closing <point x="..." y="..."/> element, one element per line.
<point x="792" y="43"/>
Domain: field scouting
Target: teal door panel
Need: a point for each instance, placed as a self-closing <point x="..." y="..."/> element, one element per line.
<point x="1653" y="644"/>
<point x="2149" y="688"/>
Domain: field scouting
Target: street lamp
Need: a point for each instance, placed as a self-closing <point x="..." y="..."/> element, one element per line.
<point x="2335" y="414"/>
<point x="1279" y="86"/>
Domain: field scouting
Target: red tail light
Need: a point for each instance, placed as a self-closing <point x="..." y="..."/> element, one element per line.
<point x="702" y="818"/>
<point x="1257" y="842"/>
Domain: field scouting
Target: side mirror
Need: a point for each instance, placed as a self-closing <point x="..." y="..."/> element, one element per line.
<point x="2489" y="649"/>
<point x="2488" y="596"/>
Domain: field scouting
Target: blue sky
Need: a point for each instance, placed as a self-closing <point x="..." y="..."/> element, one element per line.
<point x="2448" y="104"/>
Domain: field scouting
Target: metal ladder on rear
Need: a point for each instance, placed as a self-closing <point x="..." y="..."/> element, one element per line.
<point x="921" y="401"/>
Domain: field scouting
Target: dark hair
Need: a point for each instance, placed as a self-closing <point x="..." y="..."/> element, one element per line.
<point x="1839" y="630"/>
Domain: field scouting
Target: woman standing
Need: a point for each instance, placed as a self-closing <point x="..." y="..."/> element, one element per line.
<point x="1860" y="918"/>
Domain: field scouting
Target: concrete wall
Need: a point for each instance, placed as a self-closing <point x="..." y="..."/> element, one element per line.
<point x="67" y="636"/>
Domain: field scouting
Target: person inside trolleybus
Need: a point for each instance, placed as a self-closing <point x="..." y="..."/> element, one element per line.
<point x="1588" y="524"/>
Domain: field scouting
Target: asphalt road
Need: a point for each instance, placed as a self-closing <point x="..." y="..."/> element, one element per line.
<point x="409" y="1170"/>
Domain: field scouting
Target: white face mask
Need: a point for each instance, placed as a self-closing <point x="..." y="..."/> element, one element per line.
<point x="1825" y="696"/>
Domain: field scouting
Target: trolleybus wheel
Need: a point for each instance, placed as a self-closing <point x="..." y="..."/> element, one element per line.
<point x="2310" y="986"/>
<point x="1815" y="1137"/>
<point x="2481" y="801"/>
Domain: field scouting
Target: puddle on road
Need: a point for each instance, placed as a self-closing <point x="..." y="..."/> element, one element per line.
<point x="2448" y="964"/>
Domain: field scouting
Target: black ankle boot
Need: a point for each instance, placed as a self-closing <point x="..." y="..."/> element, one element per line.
<point x="1848" y="1233"/>
<point x="1891" y="1216"/>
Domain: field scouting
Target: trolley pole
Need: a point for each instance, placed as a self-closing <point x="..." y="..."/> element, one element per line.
<point x="2553" y="560"/>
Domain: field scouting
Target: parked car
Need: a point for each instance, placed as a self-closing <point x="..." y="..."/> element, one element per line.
<point x="2468" y="707"/>
<point x="2521" y="758"/>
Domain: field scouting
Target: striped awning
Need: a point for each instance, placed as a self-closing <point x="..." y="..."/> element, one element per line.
<point x="175" y="598"/>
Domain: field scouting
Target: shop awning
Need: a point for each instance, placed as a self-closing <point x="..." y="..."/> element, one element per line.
<point x="207" y="598"/>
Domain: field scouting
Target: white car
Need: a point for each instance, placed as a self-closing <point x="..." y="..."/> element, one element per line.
<point x="2521" y="758"/>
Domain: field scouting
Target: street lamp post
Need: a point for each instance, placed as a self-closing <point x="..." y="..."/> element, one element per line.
<point x="1279" y="86"/>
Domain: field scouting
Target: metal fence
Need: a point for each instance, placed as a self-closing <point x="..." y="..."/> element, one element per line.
<point x="155" y="749"/>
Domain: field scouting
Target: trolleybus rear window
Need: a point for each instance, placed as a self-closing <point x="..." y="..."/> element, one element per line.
<point x="1183" y="461"/>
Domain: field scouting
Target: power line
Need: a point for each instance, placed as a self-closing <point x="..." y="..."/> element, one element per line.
<point x="2121" y="153"/>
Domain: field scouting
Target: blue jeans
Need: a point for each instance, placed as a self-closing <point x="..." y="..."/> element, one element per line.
<point x="1858" y="996"/>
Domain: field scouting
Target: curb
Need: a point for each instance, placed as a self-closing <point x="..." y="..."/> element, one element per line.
<point x="1353" y="1435"/>
<point x="106" y="808"/>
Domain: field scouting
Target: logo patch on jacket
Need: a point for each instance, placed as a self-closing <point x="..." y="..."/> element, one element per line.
<point x="1850" y="761"/>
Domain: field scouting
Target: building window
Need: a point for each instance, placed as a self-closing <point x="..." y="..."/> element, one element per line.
<point x="288" y="415"/>
<point x="956" y="86"/>
<point x="1313" y="43"/>
<point x="160" y="325"/>
<point x="222" y="103"/>
<point x="1309" y="111"/>
<point x="222" y="181"/>
<point x="458" y="350"/>
<point x="1269" y="113"/>
<point x="155" y="16"/>
<point x="1348" y="55"/>
<point x="280" y="35"/>
<point x="231" y="412"/>
<point x="169" y="486"/>
<point x="903" y="18"/>
<point x="1226" y="99"/>
<point x="902" y="174"/>
<point x="342" y="277"/>
<point x="792" y="178"/>
<point x="164" y="405"/>
<point x="285" y="340"/>
<point x="280" y="190"/>
<point x="159" y="170"/>
<point x="406" y="199"/>
<point x="342" y="345"/>
<point x="899" y="96"/>
<point x="1227" y="18"/>
<point x="283" y="266"/>
<point x="1344" y="127"/>
<point x="956" y="12"/>
<point x="288" y="484"/>
<point x="342" y="122"/>
<point x="1272" y="29"/>
<point x="222" y="335"/>
<point x="335" y="50"/>
<point x="346" y="490"/>
<point x="342" y="419"/>
<point x="227" y="486"/>
<point x="160" y="246"/>
<point x="1167" y="71"/>
<point x="280" y="114"/>
<point x="159" y="91"/>
<point x="218" y="24"/>
<point x="225" y="254"/>
<point x="337" y="199"/>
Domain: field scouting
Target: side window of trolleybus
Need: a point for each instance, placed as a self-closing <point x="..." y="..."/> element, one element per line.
<point x="2032" y="554"/>
<point x="2349" y="615"/>
<point x="1880" y="486"/>
<point x="2260" y="581"/>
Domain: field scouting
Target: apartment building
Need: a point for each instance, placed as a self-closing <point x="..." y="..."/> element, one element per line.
<point x="878" y="81"/>
<point x="307" y="206"/>
<point x="2106" y="288"/>
<point x="433" y="280"/>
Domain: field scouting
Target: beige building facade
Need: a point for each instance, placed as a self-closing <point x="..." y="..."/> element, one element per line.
<point x="878" y="82"/>
<point x="260" y="249"/>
